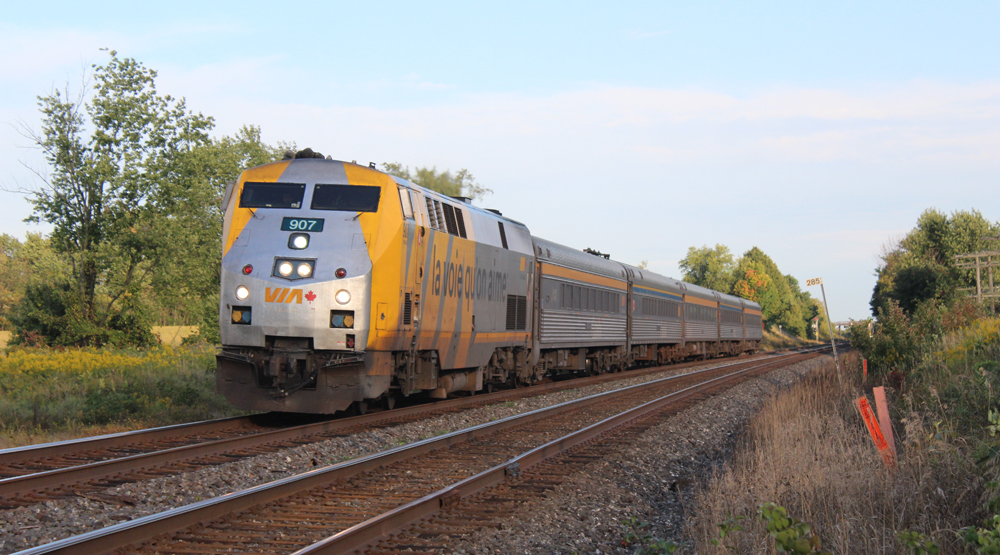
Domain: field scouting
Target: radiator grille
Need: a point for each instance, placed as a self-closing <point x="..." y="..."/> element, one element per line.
<point x="449" y="218"/>
<point x="407" y="310"/>
<point x="517" y="312"/>
<point x="460" y="218"/>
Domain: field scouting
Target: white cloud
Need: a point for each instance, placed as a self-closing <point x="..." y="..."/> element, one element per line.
<point x="817" y="178"/>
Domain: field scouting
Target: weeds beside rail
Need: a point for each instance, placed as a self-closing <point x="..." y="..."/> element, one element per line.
<point x="48" y="394"/>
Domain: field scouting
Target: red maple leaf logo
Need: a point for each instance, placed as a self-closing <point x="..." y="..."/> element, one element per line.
<point x="310" y="296"/>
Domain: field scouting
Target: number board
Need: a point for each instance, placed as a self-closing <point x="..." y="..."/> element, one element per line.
<point x="302" y="224"/>
<point x="814" y="281"/>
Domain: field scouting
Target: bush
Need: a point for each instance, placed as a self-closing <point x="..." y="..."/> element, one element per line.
<point x="50" y="314"/>
<point x="45" y="390"/>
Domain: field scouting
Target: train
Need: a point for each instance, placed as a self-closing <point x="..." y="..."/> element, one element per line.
<point x="343" y="286"/>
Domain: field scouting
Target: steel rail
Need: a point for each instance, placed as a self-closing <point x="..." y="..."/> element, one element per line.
<point x="18" y="455"/>
<point x="132" y="532"/>
<point x="23" y="454"/>
<point x="18" y="487"/>
<point x="367" y="533"/>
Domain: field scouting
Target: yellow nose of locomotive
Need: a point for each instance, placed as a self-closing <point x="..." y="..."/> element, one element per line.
<point x="296" y="287"/>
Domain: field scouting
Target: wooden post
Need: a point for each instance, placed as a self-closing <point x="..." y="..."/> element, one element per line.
<point x="979" y="288"/>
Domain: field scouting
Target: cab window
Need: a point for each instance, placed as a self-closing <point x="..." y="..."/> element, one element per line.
<point x="272" y="195"/>
<point x="349" y="198"/>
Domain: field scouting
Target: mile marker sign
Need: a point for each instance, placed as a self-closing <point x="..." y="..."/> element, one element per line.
<point x="814" y="281"/>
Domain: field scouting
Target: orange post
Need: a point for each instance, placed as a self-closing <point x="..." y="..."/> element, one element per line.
<point x="873" y="428"/>
<point x="883" y="418"/>
<point x="864" y="365"/>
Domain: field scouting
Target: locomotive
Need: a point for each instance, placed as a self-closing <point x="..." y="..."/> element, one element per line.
<point x="342" y="286"/>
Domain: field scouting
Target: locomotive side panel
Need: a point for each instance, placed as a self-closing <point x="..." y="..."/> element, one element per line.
<point x="474" y="278"/>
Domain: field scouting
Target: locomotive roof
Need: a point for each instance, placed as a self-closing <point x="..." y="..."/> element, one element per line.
<point x="462" y="200"/>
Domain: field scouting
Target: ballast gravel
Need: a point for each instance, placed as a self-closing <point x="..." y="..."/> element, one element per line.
<point x="601" y="500"/>
<point x="652" y="481"/>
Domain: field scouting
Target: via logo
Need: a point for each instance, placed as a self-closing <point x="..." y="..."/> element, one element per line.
<point x="285" y="295"/>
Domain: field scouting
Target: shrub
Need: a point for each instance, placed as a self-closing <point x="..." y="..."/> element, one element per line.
<point x="53" y="389"/>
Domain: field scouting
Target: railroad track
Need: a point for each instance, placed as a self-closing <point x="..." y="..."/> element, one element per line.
<point x="437" y="482"/>
<point x="87" y="466"/>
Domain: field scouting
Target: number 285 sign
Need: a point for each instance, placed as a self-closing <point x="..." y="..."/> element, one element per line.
<point x="814" y="281"/>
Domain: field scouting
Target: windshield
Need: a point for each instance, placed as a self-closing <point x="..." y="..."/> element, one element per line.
<point x="350" y="198"/>
<point x="272" y="195"/>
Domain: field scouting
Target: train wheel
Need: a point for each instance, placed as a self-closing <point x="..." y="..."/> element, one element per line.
<point x="389" y="402"/>
<point x="359" y="407"/>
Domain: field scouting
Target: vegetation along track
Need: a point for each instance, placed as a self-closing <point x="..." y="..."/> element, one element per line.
<point x="87" y="466"/>
<point x="353" y="504"/>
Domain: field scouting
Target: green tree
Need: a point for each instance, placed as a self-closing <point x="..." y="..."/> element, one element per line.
<point x="12" y="276"/>
<point x="461" y="183"/>
<point x="782" y="303"/>
<point x="709" y="267"/>
<point x="186" y="284"/>
<point x="922" y="266"/>
<point x="102" y="195"/>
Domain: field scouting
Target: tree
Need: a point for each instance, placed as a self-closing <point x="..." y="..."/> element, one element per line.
<point x="779" y="296"/>
<point x="709" y="267"/>
<point x="461" y="183"/>
<point x="104" y="193"/>
<point x="12" y="275"/>
<point x="752" y="282"/>
<point x="921" y="267"/>
<point x="190" y="218"/>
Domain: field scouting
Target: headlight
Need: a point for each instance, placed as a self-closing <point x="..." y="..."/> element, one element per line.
<point x="242" y="292"/>
<point x="285" y="269"/>
<point x="342" y="296"/>
<point x="304" y="270"/>
<point x="298" y="241"/>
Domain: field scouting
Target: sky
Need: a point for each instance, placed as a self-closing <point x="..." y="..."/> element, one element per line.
<point x="817" y="132"/>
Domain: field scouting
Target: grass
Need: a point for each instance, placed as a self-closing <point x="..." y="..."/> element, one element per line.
<point x="774" y="341"/>
<point x="168" y="335"/>
<point x="808" y="451"/>
<point x="51" y="394"/>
